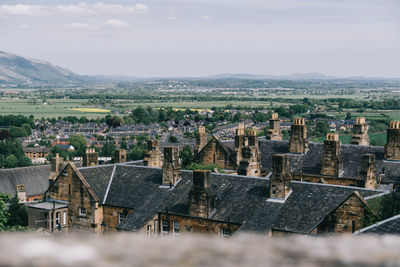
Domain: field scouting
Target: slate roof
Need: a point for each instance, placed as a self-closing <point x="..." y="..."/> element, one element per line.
<point x="35" y="179"/>
<point x="310" y="162"/>
<point x="239" y="199"/>
<point x="388" y="226"/>
<point x="310" y="203"/>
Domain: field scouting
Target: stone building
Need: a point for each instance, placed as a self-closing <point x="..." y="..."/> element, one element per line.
<point x="153" y="157"/>
<point x="360" y="133"/>
<point x="322" y="188"/>
<point x="274" y="131"/>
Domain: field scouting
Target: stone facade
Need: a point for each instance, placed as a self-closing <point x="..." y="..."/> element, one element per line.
<point x="392" y="147"/>
<point x="240" y="142"/>
<point x="56" y="164"/>
<point x="298" y="142"/>
<point x="172" y="167"/>
<point x="90" y="158"/>
<point x="112" y="216"/>
<point x="251" y="156"/>
<point x="368" y="171"/>
<point x="85" y="214"/>
<point x="332" y="164"/>
<point x="360" y="133"/>
<point x="201" y="140"/>
<point x="347" y="218"/>
<point x="120" y="155"/>
<point x="153" y="157"/>
<point x="200" y="200"/>
<point x="215" y="153"/>
<point x="274" y="131"/>
<point x="280" y="177"/>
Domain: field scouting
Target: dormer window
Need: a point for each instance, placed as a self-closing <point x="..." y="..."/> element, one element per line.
<point x="226" y="232"/>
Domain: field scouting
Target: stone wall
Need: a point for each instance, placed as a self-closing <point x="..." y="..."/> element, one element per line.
<point x="126" y="249"/>
<point x="213" y="153"/>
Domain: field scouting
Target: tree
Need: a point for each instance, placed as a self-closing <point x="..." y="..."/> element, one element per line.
<point x="4" y="214"/>
<point x="108" y="150"/>
<point x="79" y="143"/>
<point x="24" y="161"/>
<point x="321" y="128"/>
<point x="18" y="214"/>
<point x="11" y="161"/>
<point x="172" y="139"/>
<point x="348" y="116"/>
<point x="186" y="156"/>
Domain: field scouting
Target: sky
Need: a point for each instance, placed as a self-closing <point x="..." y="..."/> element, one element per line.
<point x="190" y="38"/>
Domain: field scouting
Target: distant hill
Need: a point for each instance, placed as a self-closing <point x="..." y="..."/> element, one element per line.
<point x="19" y="71"/>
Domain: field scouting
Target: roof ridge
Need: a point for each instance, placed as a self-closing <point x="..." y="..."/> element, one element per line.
<point x="342" y="186"/>
<point x="109" y="184"/>
<point x="377" y="224"/>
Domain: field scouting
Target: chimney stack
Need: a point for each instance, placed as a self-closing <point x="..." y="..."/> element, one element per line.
<point x="172" y="166"/>
<point x="360" y="133"/>
<point x="332" y="164"/>
<point x="200" y="201"/>
<point x="281" y="179"/>
<point x="90" y="158"/>
<point x="21" y="193"/>
<point x="120" y="156"/>
<point x="57" y="163"/>
<point x="201" y="139"/>
<point x="251" y="156"/>
<point x="240" y="140"/>
<point x="274" y="131"/>
<point x="298" y="142"/>
<point x="153" y="157"/>
<point x="392" y="146"/>
<point x="368" y="170"/>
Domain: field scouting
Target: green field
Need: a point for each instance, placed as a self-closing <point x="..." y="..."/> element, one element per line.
<point x="375" y="138"/>
<point x="59" y="107"/>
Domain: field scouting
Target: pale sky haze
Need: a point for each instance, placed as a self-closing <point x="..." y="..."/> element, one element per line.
<point x="148" y="38"/>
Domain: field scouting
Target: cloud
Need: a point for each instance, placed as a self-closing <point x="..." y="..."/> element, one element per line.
<point x="117" y="23"/>
<point x="172" y="18"/>
<point x="81" y="26"/>
<point x="24" y="26"/>
<point x="82" y="9"/>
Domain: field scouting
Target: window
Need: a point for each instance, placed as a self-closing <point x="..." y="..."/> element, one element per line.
<point x="175" y="230"/>
<point x="164" y="227"/>
<point x="226" y="232"/>
<point x="65" y="218"/>
<point x="82" y="211"/>
<point x="121" y="217"/>
<point x="57" y="218"/>
<point x="148" y="230"/>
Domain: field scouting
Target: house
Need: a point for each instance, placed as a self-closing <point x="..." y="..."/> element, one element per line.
<point x="35" y="154"/>
<point x="389" y="226"/>
<point x="156" y="201"/>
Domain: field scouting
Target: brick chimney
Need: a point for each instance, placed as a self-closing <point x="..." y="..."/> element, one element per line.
<point x="392" y="146"/>
<point x="57" y="163"/>
<point x="332" y="164"/>
<point x="90" y="158"/>
<point x="251" y="156"/>
<point x="153" y="157"/>
<point x="281" y="179"/>
<point x="201" y="139"/>
<point x="274" y="131"/>
<point x="200" y="201"/>
<point x="368" y="170"/>
<point x="120" y="156"/>
<point x="360" y="133"/>
<point x="298" y="142"/>
<point x="21" y="193"/>
<point x="240" y="140"/>
<point x="172" y="167"/>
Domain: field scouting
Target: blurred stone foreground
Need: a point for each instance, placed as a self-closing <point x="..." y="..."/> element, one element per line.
<point x="125" y="249"/>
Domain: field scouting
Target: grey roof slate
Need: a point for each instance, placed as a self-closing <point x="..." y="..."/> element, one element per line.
<point x="388" y="226"/>
<point x="35" y="179"/>
<point x="310" y="162"/>
<point x="239" y="199"/>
